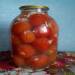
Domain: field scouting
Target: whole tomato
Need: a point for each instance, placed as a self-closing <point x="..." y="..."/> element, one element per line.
<point x="42" y="31"/>
<point x="19" y="27"/>
<point x="39" y="62"/>
<point x="15" y="40"/>
<point x="26" y="51"/>
<point x="53" y="26"/>
<point x="53" y="41"/>
<point x="27" y="37"/>
<point x="52" y="53"/>
<point x="15" y="43"/>
<point x="18" y="60"/>
<point x="41" y="44"/>
<point x="38" y="19"/>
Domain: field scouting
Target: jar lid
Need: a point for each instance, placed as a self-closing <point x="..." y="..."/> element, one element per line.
<point x="29" y="7"/>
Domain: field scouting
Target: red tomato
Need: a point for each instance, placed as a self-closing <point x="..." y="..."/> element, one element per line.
<point x="42" y="44"/>
<point x="39" y="62"/>
<point x="52" y="53"/>
<point x="15" y="40"/>
<point x="14" y="47"/>
<point x="53" y="25"/>
<point x="38" y="19"/>
<point x="42" y="31"/>
<point x="26" y="51"/>
<point x="54" y="41"/>
<point x="19" y="27"/>
<point x="19" y="61"/>
<point x="27" y="37"/>
<point x="53" y="48"/>
<point x="15" y="43"/>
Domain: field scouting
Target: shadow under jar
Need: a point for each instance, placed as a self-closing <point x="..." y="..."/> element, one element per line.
<point x="34" y="38"/>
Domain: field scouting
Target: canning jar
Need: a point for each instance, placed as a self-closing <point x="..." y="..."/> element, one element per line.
<point x="34" y="38"/>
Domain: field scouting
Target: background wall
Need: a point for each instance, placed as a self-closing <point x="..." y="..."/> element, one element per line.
<point x="63" y="11"/>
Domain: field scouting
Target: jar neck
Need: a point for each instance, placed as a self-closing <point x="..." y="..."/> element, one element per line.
<point x="26" y="12"/>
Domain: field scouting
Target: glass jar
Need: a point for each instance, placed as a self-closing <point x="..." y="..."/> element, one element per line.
<point x="34" y="38"/>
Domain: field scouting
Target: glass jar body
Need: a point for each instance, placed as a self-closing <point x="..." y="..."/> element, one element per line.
<point x="34" y="39"/>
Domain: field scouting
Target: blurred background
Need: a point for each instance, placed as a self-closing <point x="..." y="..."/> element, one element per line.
<point x="63" y="11"/>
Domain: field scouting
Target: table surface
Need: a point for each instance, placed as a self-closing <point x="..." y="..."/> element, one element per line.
<point x="72" y="68"/>
<point x="35" y="73"/>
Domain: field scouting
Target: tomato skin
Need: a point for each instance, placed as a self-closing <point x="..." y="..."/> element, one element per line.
<point x="41" y="44"/>
<point x="19" y="27"/>
<point x="52" y="53"/>
<point x="55" y="41"/>
<point x="42" y="31"/>
<point x="15" y="40"/>
<point x="39" y="62"/>
<point x="53" y="25"/>
<point x="38" y="19"/>
<point x="27" y="37"/>
<point x="19" y="61"/>
<point x="26" y="51"/>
